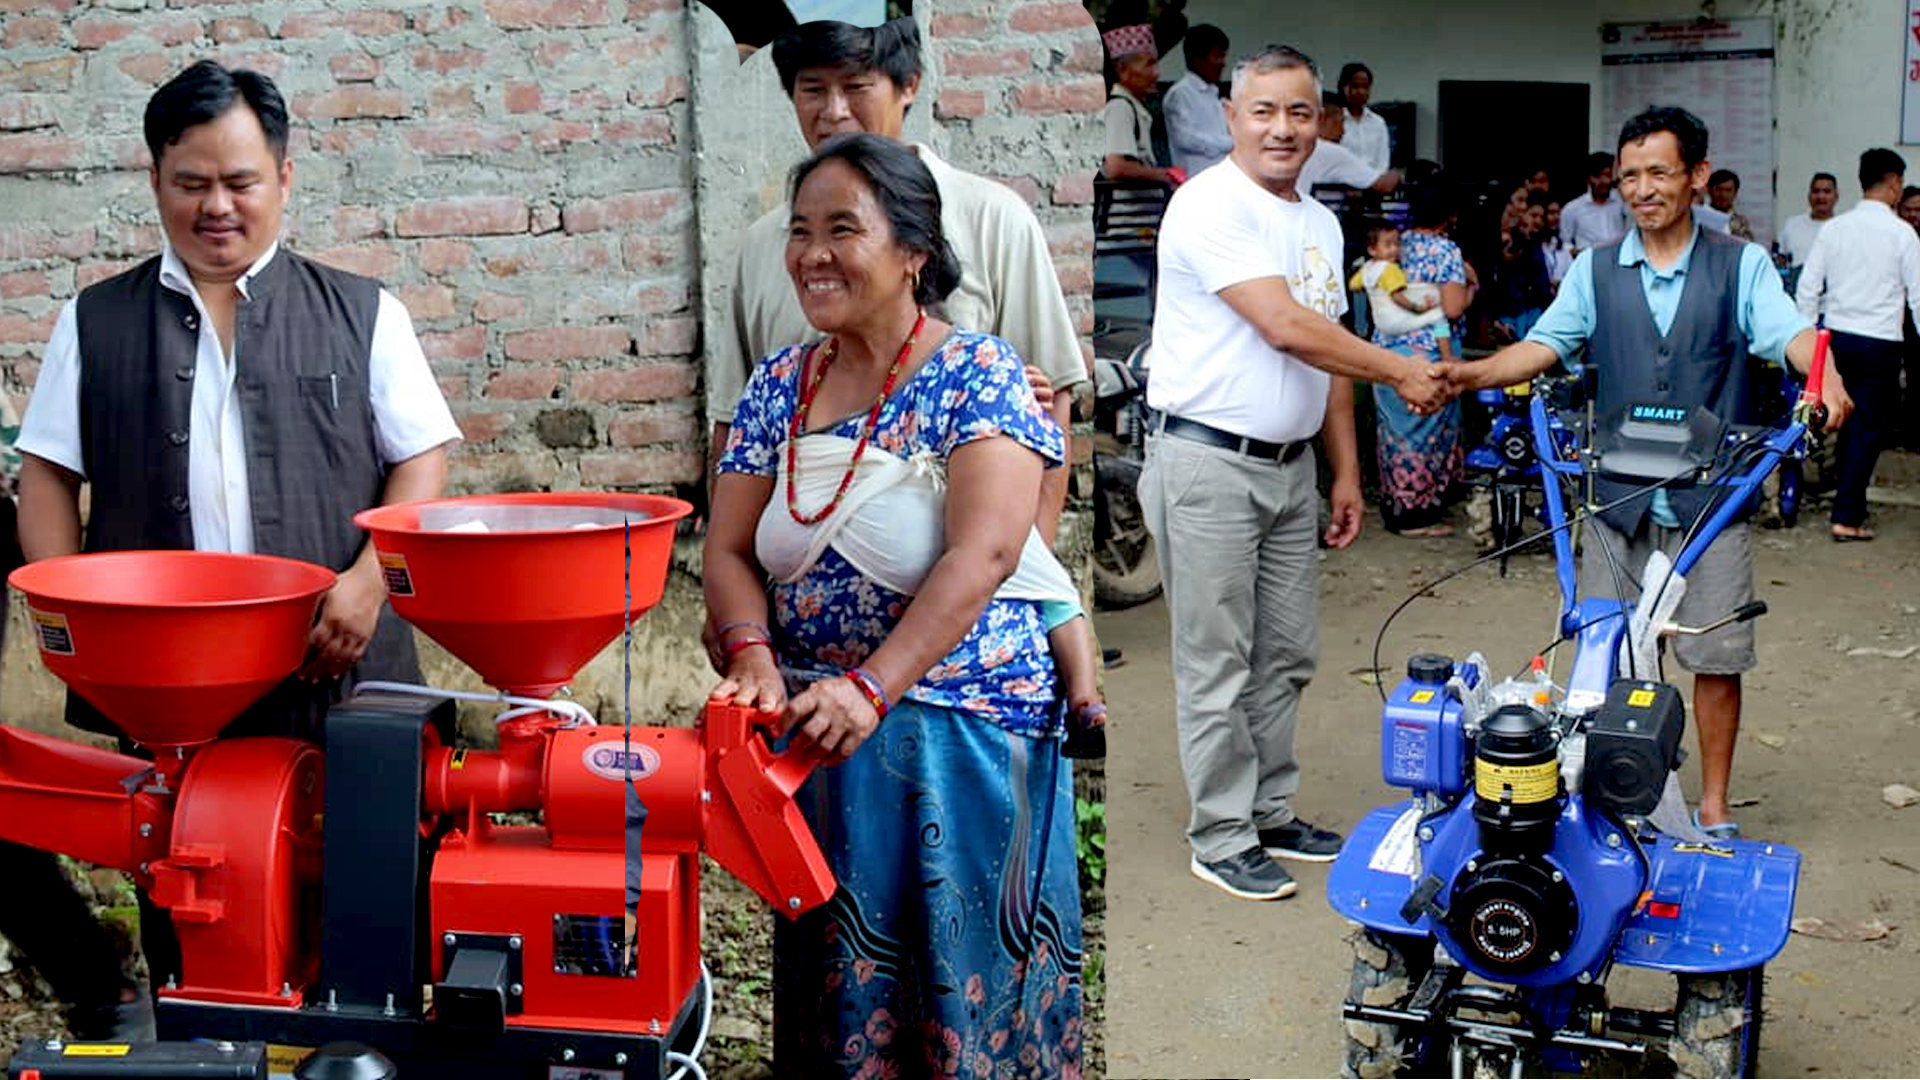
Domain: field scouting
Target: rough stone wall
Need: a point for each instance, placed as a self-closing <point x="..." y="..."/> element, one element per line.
<point x="547" y="184"/>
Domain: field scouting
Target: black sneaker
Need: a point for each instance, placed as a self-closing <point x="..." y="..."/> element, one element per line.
<point x="1299" y="840"/>
<point x="1250" y="875"/>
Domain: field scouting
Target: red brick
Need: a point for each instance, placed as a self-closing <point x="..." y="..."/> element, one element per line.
<point x="38" y="153"/>
<point x="447" y="61"/>
<point x="493" y="307"/>
<point x="148" y="69"/>
<point x="479" y="427"/>
<point x="1070" y="238"/>
<point x="560" y="134"/>
<point x="54" y="73"/>
<point x="427" y="303"/>
<point x="352" y="223"/>
<point x="455" y="101"/>
<point x="960" y="25"/>
<point x="375" y="260"/>
<point x="353" y="103"/>
<point x="523" y="384"/>
<point x="439" y="22"/>
<point x="672" y="91"/>
<point x="478" y="215"/>
<point x="568" y="343"/>
<point x="118" y="239"/>
<point x="641" y="468"/>
<point x="636" y="51"/>
<point x="594" y="99"/>
<point x="26" y="372"/>
<point x="549" y="55"/>
<point x="99" y="31"/>
<point x="229" y="30"/>
<point x="466" y="343"/>
<point x="1002" y="62"/>
<point x="1087" y="56"/>
<point x="620" y="211"/>
<point x="565" y="254"/>
<point x="638" y="10"/>
<point x="641" y="382"/>
<point x="546" y="219"/>
<point x="354" y="67"/>
<point x="1048" y="98"/>
<point x="22" y="242"/>
<point x="484" y="473"/>
<point x="27" y="329"/>
<point x="271" y="64"/>
<point x="1076" y="275"/>
<point x="453" y="387"/>
<point x="1040" y="18"/>
<point x="523" y="97"/>
<point x="21" y="7"/>
<point x="23" y="284"/>
<point x="345" y="142"/>
<point x="670" y="337"/>
<point x="462" y="140"/>
<point x="1073" y="189"/>
<point x="439" y="256"/>
<point x="644" y="427"/>
<point x="89" y="273"/>
<point x="130" y="153"/>
<point x="659" y="299"/>
<point x="356" y="23"/>
<point x="1024" y="186"/>
<point x="960" y="104"/>
<point x="547" y="14"/>
<point x="24" y="112"/>
<point x="650" y="252"/>
<point x="31" y="32"/>
<point x="648" y="129"/>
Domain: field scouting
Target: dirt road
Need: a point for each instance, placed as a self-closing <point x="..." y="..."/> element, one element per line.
<point x="1202" y="985"/>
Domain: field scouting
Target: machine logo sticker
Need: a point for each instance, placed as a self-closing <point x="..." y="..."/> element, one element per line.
<point x="394" y="569"/>
<point x="55" y="636"/>
<point x="609" y="760"/>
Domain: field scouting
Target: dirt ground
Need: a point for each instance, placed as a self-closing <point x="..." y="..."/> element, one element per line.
<point x="1203" y="985"/>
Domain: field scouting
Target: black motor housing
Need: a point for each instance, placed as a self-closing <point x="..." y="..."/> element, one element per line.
<point x="1516" y="780"/>
<point x="1513" y="915"/>
<point x="1633" y="743"/>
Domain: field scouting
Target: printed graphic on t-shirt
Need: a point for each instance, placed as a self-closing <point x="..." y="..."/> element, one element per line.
<point x="1317" y="285"/>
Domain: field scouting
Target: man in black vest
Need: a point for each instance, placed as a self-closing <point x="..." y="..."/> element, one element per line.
<point x="1669" y="314"/>
<point x="229" y="395"/>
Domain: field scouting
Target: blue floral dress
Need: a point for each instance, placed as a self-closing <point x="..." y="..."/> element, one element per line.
<point x="1420" y="456"/>
<point x="952" y="948"/>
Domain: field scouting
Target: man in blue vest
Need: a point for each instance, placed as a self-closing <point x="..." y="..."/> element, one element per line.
<point x="1669" y="315"/>
<point x="230" y="395"/>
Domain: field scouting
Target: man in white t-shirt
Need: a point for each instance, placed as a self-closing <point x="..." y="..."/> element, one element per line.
<point x="1332" y="164"/>
<point x="1796" y="236"/>
<point x="1598" y="217"/>
<point x="1249" y="364"/>
<point x="1366" y="134"/>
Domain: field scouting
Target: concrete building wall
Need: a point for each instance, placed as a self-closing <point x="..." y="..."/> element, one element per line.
<point x="547" y="184"/>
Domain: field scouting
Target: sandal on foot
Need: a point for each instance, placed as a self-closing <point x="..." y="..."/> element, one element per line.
<point x="1726" y="830"/>
<point x="1857" y="536"/>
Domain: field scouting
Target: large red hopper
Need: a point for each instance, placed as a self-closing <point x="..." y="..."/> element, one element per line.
<point x="524" y="588"/>
<point x="172" y="645"/>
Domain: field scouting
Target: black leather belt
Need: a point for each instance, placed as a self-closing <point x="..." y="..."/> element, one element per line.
<point x="1195" y="431"/>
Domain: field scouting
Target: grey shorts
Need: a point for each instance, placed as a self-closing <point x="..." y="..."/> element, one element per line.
<point x="1720" y="582"/>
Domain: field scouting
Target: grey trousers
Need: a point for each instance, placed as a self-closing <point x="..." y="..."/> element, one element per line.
<point x="1241" y="570"/>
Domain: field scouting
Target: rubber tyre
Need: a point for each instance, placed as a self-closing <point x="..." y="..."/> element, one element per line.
<point x="1716" y="1021"/>
<point x="1126" y="564"/>
<point x="1387" y="969"/>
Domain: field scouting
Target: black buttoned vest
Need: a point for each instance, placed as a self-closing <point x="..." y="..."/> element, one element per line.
<point x="1701" y="360"/>
<point x="302" y="342"/>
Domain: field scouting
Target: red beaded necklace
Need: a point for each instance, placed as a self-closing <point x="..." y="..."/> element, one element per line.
<point x="799" y="425"/>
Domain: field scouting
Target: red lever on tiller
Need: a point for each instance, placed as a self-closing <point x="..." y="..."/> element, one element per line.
<point x="1810" y="411"/>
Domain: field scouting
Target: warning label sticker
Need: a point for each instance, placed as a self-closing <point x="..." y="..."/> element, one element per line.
<point x="55" y="636"/>
<point x="393" y="568"/>
<point x="282" y="1060"/>
<point x="1399" y="850"/>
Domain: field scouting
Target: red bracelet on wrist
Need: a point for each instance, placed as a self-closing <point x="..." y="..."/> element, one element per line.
<point x="871" y="689"/>
<point x="737" y="647"/>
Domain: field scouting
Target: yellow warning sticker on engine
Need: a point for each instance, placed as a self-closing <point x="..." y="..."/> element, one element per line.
<point x="55" y="636"/>
<point x="1529" y="783"/>
<point x="1421" y="697"/>
<point x="97" y="1050"/>
<point x="1640" y="699"/>
<point x="393" y="568"/>
<point x="282" y="1060"/>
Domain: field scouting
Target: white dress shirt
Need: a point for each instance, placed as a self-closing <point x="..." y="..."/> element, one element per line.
<point x="410" y="416"/>
<point x="1709" y="218"/>
<point x="1196" y="123"/>
<point x="1864" y="269"/>
<point x="1797" y="235"/>
<point x="1587" y="224"/>
<point x="1368" y="139"/>
<point x="1333" y="163"/>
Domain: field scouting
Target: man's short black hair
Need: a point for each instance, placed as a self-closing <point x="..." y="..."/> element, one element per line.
<point x="1200" y="41"/>
<point x="1827" y="176"/>
<point x="1879" y="163"/>
<point x="1331" y="99"/>
<point x="203" y="93"/>
<point x="892" y="49"/>
<point x="1685" y="127"/>
<point x="1721" y="176"/>
<point x="1908" y="192"/>
<point x="1348" y="71"/>
<point x="1598" y="162"/>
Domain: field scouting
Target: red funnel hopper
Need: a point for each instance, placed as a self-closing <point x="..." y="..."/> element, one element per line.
<point x="524" y="588"/>
<point x="172" y="645"/>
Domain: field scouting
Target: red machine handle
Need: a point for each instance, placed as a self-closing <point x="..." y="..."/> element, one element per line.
<point x="1814" y="412"/>
<point x="754" y="828"/>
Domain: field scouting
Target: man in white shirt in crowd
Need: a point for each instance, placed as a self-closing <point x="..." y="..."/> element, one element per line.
<point x="1597" y="217"/>
<point x="1366" y="132"/>
<point x="1332" y="164"/>
<point x="1250" y="363"/>
<point x="1862" y="273"/>
<point x="1196" y="118"/>
<point x="1796" y="236"/>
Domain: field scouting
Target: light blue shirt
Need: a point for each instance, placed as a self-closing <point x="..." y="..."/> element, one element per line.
<point x="1765" y="313"/>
